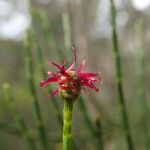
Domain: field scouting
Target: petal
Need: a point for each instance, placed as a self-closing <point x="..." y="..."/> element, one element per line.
<point x="88" y="75"/>
<point x="94" y="79"/>
<point x="53" y="93"/>
<point x="67" y="88"/>
<point x="90" y="84"/>
<point x="48" y="81"/>
<point x="74" y="60"/>
<point x="64" y="64"/>
<point x="81" y="65"/>
<point x="52" y="74"/>
<point x="71" y="67"/>
<point x="56" y="65"/>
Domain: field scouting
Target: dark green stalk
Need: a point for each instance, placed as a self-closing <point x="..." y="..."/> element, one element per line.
<point x="50" y="39"/>
<point x="119" y="77"/>
<point x="9" y="129"/>
<point x="67" y="41"/>
<point x="88" y="123"/>
<point x="42" y="69"/>
<point x="100" y="111"/>
<point x="18" y="118"/>
<point x="67" y="125"/>
<point x="99" y="133"/>
<point x="140" y="81"/>
<point x="34" y="100"/>
<point x="40" y="17"/>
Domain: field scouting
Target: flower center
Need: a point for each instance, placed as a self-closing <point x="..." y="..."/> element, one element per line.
<point x="69" y="86"/>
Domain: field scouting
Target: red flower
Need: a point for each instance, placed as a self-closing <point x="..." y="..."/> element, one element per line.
<point x="71" y="81"/>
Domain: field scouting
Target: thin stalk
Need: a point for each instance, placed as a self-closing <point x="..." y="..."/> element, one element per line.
<point x="119" y="77"/>
<point x="49" y="37"/>
<point x="67" y="34"/>
<point x="68" y="43"/>
<point x="68" y="38"/>
<point x="67" y="125"/>
<point x="89" y="124"/>
<point x="51" y="41"/>
<point x="67" y="30"/>
<point x="54" y="102"/>
<point x="18" y="118"/>
<point x="100" y="111"/>
<point x="41" y="18"/>
<point x="99" y="133"/>
<point x="34" y="99"/>
<point x="140" y="81"/>
<point x="53" y="137"/>
<point x="9" y="129"/>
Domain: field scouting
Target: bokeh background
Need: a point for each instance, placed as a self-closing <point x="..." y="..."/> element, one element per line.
<point x="54" y="26"/>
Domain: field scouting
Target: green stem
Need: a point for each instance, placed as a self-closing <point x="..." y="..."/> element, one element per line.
<point x="99" y="133"/>
<point x="67" y="35"/>
<point x="66" y="21"/>
<point x="9" y="128"/>
<point x="67" y="135"/>
<point x="67" y="30"/>
<point x="42" y="70"/>
<point x="89" y="124"/>
<point x="141" y="82"/>
<point x="119" y="77"/>
<point x="18" y="118"/>
<point x="34" y="99"/>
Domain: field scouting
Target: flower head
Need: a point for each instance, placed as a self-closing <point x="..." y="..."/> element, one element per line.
<point x="70" y="81"/>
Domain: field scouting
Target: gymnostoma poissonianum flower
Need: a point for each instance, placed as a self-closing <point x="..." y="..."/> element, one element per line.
<point x="72" y="80"/>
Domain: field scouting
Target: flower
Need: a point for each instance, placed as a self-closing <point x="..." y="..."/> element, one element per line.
<point x="70" y="81"/>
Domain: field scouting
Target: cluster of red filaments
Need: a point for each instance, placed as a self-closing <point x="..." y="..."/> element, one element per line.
<point x="71" y="81"/>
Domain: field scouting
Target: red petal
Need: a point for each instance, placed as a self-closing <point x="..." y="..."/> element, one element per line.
<point x="90" y="84"/>
<point x="87" y="74"/>
<point x="64" y="64"/>
<point x="56" y="65"/>
<point x="71" y="67"/>
<point x="53" y="93"/>
<point x="47" y="81"/>
<point x="52" y="74"/>
<point x="66" y="88"/>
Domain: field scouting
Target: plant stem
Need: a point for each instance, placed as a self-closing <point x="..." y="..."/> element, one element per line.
<point x="42" y="69"/>
<point x="140" y="81"/>
<point x="99" y="133"/>
<point x="30" y="77"/>
<point x="67" y="125"/>
<point x="119" y="77"/>
<point x="9" y="129"/>
<point x="51" y="42"/>
<point x="88" y="123"/>
<point x="66" y="22"/>
<point x="67" y="34"/>
<point x="67" y="30"/>
<point x="18" y="118"/>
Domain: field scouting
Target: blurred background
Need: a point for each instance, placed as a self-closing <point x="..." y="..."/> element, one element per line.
<point x="54" y="25"/>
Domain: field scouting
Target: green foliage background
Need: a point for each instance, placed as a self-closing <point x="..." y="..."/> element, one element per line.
<point x="97" y="122"/>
